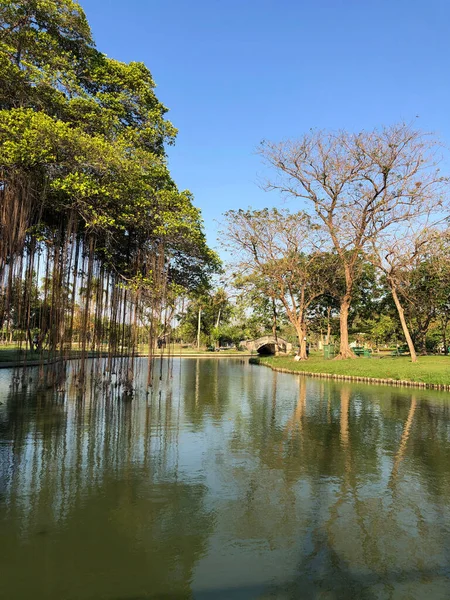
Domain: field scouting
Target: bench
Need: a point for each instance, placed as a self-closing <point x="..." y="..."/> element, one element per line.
<point x="361" y="351"/>
<point x="400" y="351"/>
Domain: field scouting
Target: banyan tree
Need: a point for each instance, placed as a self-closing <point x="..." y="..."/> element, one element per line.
<point x="93" y="230"/>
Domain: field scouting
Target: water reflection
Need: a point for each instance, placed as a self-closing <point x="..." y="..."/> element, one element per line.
<point x="226" y="480"/>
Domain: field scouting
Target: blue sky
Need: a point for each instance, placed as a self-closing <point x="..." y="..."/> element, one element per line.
<point x="234" y="72"/>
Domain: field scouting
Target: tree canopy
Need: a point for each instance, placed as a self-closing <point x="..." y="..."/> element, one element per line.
<point x="84" y="181"/>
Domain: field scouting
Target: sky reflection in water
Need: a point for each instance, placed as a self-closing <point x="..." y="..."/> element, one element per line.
<point x="227" y="481"/>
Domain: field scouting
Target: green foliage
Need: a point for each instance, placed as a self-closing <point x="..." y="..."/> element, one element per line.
<point x="83" y="172"/>
<point x="382" y="329"/>
<point x="91" y="131"/>
<point x="44" y="47"/>
<point x="216" y="314"/>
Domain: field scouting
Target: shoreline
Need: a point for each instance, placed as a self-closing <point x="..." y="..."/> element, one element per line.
<point x="357" y="378"/>
<point x="14" y="364"/>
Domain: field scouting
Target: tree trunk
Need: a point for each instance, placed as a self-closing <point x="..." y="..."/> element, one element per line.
<point x="344" y="348"/>
<point x="421" y="343"/>
<point x="274" y="321"/>
<point x="217" y="327"/>
<point x="199" y="326"/>
<point x="328" y="325"/>
<point x="30" y="339"/>
<point x="401" y="315"/>
<point x="444" y="336"/>
<point x="182" y="312"/>
<point x="301" y="334"/>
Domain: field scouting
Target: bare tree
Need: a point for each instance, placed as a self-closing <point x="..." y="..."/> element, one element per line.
<point x="358" y="185"/>
<point x="395" y="259"/>
<point x="277" y="252"/>
<point x="399" y="254"/>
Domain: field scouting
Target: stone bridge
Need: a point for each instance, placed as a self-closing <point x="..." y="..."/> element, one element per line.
<point x="267" y="344"/>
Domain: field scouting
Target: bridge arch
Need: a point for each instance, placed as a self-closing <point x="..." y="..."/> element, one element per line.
<point x="267" y="344"/>
<point x="267" y="349"/>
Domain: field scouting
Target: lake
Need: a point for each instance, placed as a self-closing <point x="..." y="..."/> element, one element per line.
<point x="228" y="480"/>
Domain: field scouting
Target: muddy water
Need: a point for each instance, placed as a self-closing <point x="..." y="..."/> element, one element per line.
<point x="227" y="481"/>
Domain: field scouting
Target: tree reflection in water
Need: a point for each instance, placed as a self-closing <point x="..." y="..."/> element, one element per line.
<point x="94" y="504"/>
<point x="225" y="481"/>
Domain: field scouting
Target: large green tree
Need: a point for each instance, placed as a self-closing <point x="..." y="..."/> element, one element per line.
<point x="84" y="182"/>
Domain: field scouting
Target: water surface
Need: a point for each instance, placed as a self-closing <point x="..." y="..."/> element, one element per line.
<point x="227" y="481"/>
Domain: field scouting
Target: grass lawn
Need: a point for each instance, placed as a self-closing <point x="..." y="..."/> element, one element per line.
<point x="428" y="369"/>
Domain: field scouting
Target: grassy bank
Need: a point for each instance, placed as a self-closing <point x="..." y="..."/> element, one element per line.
<point x="12" y="354"/>
<point x="177" y="349"/>
<point x="15" y="356"/>
<point x="428" y="369"/>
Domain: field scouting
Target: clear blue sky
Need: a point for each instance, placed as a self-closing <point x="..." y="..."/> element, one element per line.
<point x="234" y="72"/>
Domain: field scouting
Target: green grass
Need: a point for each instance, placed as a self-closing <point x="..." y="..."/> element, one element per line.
<point x="428" y="369"/>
